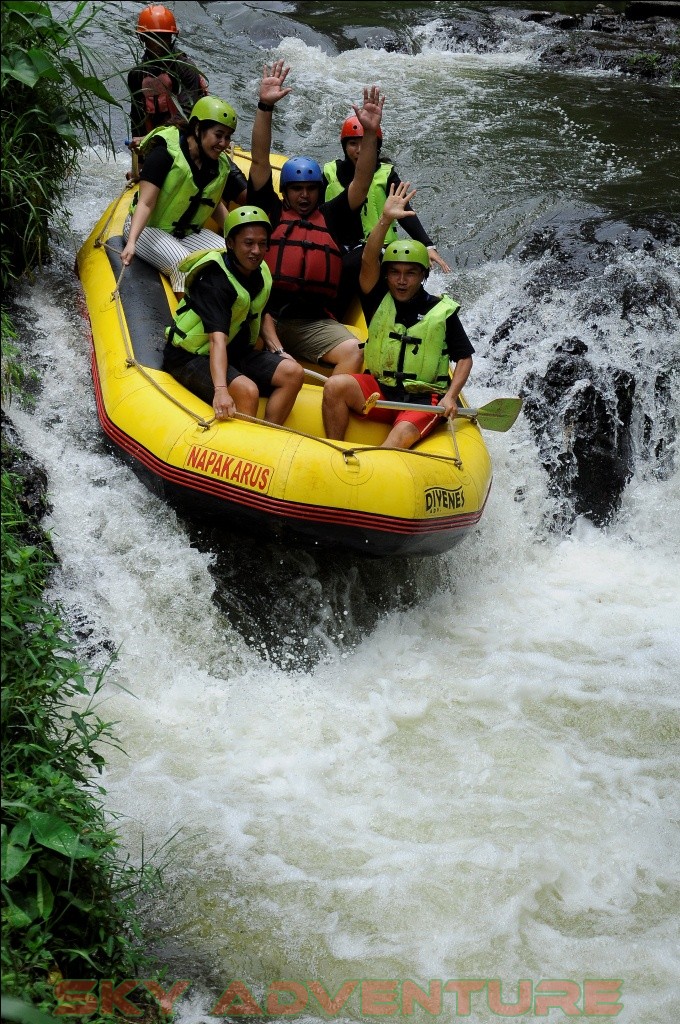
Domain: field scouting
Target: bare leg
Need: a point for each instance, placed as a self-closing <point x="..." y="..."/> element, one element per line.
<point x="403" y="435"/>
<point x="287" y="381"/>
<point x="346" y="357"/>
<point x="340" y="394"/>
<point x="245" y="394"/>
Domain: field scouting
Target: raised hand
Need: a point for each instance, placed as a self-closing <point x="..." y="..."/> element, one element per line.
<point x="271" y="86"/>
<point x="397" y="201"/>
<point x="370" y="113"/>
<point x="437" y="261"/>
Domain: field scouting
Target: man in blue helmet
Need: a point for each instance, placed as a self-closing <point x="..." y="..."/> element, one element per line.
<point x="305" y="256"/>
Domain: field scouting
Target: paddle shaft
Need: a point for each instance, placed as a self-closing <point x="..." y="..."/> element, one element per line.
<point x="499" y="414"/>
<point x="417" y="407"/>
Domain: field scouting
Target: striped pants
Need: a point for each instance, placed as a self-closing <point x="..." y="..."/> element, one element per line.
<point x="164" y="251"/>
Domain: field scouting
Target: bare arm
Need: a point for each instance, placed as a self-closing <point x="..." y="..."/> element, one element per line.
<point x="394" y="209"/>
<point x="219" y="215"/>
<point x="223" y="403"/>
<point x="146" y="203"/>
<point x="458" y="382"/>
<point x="270" y="337"/>
<point x="370" y="116"/>
<point x="271" y="91"/>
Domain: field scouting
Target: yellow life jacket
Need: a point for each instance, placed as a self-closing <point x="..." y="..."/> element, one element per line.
<point x="374" y="202"/>
<point x="416" y="359"/>
<point x="181" y="208"/>
<point x="187" y="330"/>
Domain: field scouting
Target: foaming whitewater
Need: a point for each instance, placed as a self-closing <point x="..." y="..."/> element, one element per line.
<point x="481" y="788"/>
<point x="475" y="777"/>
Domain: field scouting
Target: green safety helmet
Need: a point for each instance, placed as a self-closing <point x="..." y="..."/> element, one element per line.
<point x="407" y="251"/>
<point x="246" y="215"/>
<point x="210" y="108"/>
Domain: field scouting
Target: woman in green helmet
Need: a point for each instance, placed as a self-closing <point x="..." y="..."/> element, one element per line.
<point x="187" y="177"/>
<point x="222" y="344"/>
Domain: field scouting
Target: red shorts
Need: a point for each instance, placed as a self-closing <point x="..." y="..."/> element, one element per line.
<point x="422" y="421"/>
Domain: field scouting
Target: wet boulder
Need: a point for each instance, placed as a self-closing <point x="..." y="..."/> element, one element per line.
<point x="641" y="10"/>
<point x="552" y="20"/>
<point x="581" y="421"/>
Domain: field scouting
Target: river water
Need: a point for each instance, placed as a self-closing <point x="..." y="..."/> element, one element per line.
<point x="457" y="768"/>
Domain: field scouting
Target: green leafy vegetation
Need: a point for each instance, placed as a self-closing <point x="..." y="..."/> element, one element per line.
<point x="68" y="894"/>
<point x="68" y="891"/>
<point x="53" y="102"/>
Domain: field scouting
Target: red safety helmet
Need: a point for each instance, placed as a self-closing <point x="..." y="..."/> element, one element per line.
<point x="156" y="18"/>
<point x="352" y="128"/>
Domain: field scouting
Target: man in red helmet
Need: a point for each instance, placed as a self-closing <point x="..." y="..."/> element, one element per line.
<point x="338" y="175"/>
<point x="165" y="85"/>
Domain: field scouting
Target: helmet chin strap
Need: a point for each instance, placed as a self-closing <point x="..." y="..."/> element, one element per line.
<point x="231" y="253"/>
<point x="199" y="140"/>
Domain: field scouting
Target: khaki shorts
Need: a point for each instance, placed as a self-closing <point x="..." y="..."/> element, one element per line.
<point x="310" y="340"/>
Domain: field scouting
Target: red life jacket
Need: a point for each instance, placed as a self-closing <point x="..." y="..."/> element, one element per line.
<point x="159" y="103"/>
<point x="303" y="256"/>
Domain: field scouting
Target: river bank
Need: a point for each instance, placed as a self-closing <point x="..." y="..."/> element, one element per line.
<point x="640" y="40"/>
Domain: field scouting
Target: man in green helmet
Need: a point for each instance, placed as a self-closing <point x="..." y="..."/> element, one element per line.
<point x="222" y="345"/>
<point x="413" y="337"/>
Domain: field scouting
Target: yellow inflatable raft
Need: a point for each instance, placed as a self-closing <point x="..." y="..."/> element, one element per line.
<point x="290" y="480"/>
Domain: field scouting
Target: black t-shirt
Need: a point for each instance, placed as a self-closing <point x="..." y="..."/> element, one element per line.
<point x="458" y="344"/>
<point x="411" y="225"/>
<point x="336" y="213"/>
<point x="158" y="162"/>
<point x="212" y="295"/>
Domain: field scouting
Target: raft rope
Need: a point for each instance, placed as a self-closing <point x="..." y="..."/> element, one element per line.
<point x="204" y="424"/>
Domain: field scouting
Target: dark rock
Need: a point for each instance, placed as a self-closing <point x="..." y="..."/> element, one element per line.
<point x="479" y="35"/>
<point x="581" y="422"/>
<point x="660" y="430"/>
<point x="537" y="16"/>
<point x="598" y="442"/>
<point x="600" y="22"/>
<point x="572" y="346"/>
<point x="642" y="44"/>
<point x="592" y="419"/>
<point x="641" y="10"/>
<point x="32" y="499"/>
<point x="566" y="21"/>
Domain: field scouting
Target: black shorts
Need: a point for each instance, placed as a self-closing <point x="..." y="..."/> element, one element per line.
<point x="194" y="372"/>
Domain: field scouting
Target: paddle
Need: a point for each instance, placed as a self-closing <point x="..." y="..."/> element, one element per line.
<point x="499" y="414"/>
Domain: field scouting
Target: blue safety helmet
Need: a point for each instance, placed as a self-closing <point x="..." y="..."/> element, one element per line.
<point x="300" y="169"/>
